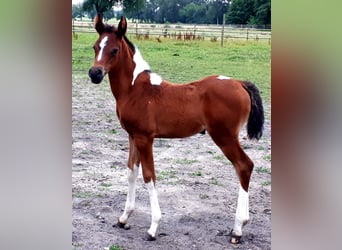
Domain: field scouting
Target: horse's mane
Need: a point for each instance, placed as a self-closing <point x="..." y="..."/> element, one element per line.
<point x="130" y="44"/>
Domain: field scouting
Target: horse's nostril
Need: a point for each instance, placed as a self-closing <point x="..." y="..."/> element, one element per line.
<point x="95" y="72"/>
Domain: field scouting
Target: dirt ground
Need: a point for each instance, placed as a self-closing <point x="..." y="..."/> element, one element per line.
<point x="197" y="186"/>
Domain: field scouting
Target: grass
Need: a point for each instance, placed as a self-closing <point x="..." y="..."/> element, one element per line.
<point x="84" y="194"/>
<point x="115" y="247"/>
<point x="104" y="184"/>
<point x="167" y="174"/>
<point x="215" y="181"/>
<point x="263" y="170"/>
<point x="197" y="173"/>
<point x="187" y="61"/>
<point x="267" y="157"/>
<point x="266" y="183"/>
<point x="185" y="161"/>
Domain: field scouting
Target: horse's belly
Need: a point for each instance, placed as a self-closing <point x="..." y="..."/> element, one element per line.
<point x="178" y="128"/>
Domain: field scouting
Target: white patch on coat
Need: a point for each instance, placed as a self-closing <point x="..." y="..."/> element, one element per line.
<point x="103" y="44"/>
<point x="140" y="64"/>
<point x="130" y="202"/>
<point x="155" y="79"/>
<point x="242" y="211"/>
<point x="155" y="209"/>
<point x="221" y="77"/>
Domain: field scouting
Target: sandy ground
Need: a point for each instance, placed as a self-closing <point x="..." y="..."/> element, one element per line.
<point x="197" y="185"/>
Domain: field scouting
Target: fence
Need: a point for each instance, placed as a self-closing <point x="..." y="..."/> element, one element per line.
<point x="185" y="31"/>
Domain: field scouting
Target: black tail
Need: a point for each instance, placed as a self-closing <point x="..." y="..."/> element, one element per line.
<point x="255" y="124"/>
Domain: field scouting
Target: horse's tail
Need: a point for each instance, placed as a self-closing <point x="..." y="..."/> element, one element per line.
<point x="255" y="124"/>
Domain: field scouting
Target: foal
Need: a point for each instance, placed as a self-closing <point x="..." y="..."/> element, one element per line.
<point x="149" y="107"/>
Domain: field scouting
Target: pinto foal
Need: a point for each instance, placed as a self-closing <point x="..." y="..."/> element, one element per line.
<point x="149" y="107"/>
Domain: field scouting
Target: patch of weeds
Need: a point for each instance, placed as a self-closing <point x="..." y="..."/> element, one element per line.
<point x="210" y="152"/>
<point x="263" y="170"/>
<point x="261" y="148"/>
<point x="204" y="196"/>
<point x="114" y="166"/>
<point x="197" y="173"/>
<point x="115" y="247"/>
<point x="76" y="246"/>
<point x="214" y="181"/>
<point x="185" y="161"/>
<point x="167" y="174"/>
<point x="85" y="152"/>
<point x="82" y="194"/>
<point x="85" y="123"/>
<point x="246" y="146"/>
<point x="267" y="157"/>
<point x="104" y="184"/>
<point x="266" y="183"/>
<point x="111" y="140"/>
<point x="113" y="131"/>
<point x="221" y="158"/>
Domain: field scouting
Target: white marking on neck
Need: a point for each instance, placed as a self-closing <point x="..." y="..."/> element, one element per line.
<point x="221" y="77"/>
<point x="155" y="79"/>
<point x="140" y="64"/>
<point x="103" y="44"/>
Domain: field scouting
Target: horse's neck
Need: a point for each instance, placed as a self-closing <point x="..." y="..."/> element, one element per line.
<point x="121" y="78"/>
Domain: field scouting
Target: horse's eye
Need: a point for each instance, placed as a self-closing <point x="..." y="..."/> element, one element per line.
<point x="94" y="47"/>
<point x="114" y="51"/>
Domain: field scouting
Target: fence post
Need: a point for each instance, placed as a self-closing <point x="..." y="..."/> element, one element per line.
<point x="247" y="33"/>
<point x="136" y="28"/>
<point x="222" y="33"/>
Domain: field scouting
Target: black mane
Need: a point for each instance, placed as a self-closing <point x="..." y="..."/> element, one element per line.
<point x="130" y="44"/>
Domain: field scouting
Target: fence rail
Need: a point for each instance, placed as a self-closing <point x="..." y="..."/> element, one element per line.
<point x="184" y="31"/>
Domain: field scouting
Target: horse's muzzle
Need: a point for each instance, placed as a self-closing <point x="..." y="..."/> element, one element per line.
<point x="96" y="74"/>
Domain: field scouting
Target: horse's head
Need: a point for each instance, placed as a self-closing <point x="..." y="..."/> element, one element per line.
<point x="107" y="48"/>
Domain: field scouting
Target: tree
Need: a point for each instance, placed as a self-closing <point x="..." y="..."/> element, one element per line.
<point x="262" y="11"/>
<point x="240" y="11"/>
<point x="99" y="6"/>
<point x="193" y="13"/>
<point x="256" y="12"/>
<point x="77" y="11"/>
<point x="106" y="6"/>
<point x="216" y="9"/>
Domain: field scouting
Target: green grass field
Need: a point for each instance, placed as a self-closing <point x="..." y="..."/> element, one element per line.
<point x="187" y="61"/>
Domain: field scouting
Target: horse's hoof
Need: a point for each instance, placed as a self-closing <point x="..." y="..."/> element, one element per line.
<point x="235" y="239"/>
<point x="120" y="224"/>
<point x="149" y="237"/>
<point x="123" y="225"/>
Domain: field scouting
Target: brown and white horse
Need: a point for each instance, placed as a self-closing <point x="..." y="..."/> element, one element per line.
<point x="149" y="107"/>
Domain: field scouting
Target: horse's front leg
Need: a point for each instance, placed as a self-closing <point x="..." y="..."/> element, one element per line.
<point x="133" y="165"/>
<point x="145" y="148"/>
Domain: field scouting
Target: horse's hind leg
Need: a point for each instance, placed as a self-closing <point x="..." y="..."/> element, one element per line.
<point x="133" y="165"/>
<point x="244" y="167"/>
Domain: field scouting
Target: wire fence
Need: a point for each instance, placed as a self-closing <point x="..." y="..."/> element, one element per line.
<point x="185" y="31"/>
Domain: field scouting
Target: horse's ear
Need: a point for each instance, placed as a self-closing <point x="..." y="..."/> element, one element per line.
<point x="99" y="26"/>
<point x="122" y="27"/>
